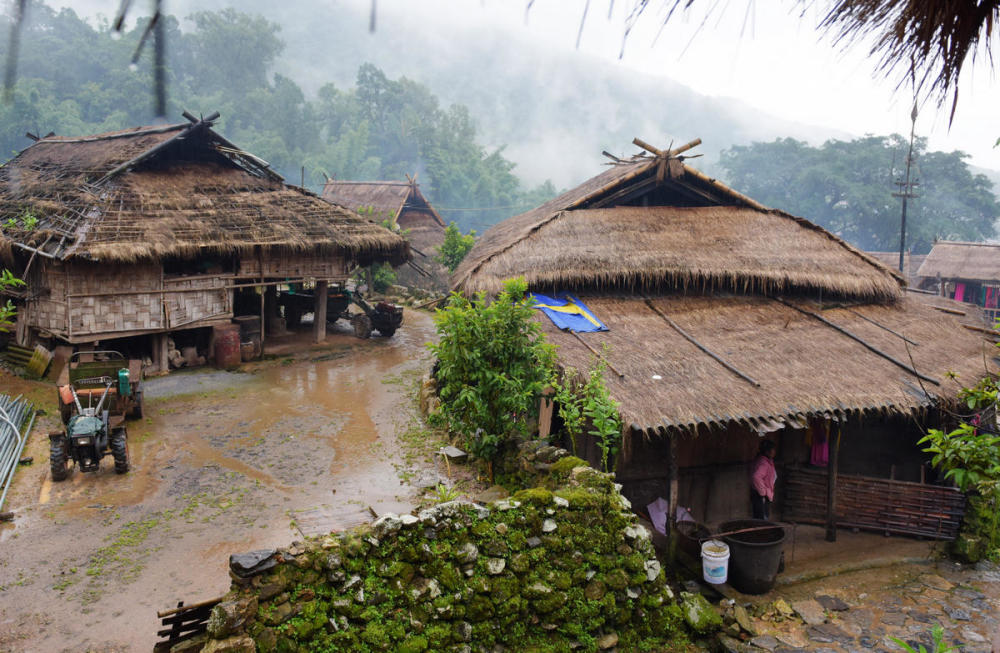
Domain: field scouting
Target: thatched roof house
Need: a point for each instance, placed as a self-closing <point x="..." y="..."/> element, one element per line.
<point x="957" y="260"/>
<point x="149" y="229"/>
<point x="407" y="210"/>
<point x="967" y="272"/>
<point x="400" y="202"/>
<point x="726" y="319"/>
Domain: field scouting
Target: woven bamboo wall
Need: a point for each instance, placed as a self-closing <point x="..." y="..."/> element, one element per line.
<point x="105" y="299"/>
<point x="47" y="310"/>
<point x="875" y="504"/>
<point x="299" y="266"/>
<point x="114" y="298"/>
<point x="214" y="300"/>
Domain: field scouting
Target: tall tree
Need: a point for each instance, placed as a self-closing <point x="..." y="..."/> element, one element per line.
<point x="847" y="187"/>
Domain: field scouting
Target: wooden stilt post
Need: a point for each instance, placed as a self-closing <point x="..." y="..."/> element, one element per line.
<point x="319" y="311"/>
<point x="672" y="500"/>
<point x="160" y="352"/>
<point x="831" y="490"/>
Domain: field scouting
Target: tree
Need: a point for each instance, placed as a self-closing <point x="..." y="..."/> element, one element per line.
<point x="492" y="365"/>
<point x="847" y="186"/>
<point x="455" y="246"/>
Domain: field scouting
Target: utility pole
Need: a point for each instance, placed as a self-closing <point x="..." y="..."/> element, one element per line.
<point x="906" y="189"/>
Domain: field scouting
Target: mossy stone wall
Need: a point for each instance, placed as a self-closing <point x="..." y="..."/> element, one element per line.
<point x="558" y="567"/>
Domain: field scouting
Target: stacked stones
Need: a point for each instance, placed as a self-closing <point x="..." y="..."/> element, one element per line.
<point x="557" y="567"/>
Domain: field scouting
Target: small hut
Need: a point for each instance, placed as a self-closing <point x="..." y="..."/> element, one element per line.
<point x="728" y="322"/>
<point x="406" y="209"/>
<point x="965" y="272"/>
<point x="162" y="230"/>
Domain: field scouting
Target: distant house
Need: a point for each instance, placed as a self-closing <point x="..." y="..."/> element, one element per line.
<point x="965" y="272"/>
<point x="406" y="209"/>
<point x="911" y="263"/>
<point x="729" y="322"/>
<point x="162" y="230"/>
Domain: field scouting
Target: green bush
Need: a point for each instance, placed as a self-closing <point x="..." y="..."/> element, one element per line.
<point x="587" y="403"/>
<point x="970" y="456"/>
<point x="493" y="363"/>
<point x="455" y="246"/>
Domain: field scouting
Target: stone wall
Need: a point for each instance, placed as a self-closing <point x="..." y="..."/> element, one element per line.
<point x="562" y="566"/>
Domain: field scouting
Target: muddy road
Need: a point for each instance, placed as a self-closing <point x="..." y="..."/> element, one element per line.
<point x="222" y="463"/>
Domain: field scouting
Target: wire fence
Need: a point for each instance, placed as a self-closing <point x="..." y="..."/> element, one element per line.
<point x="17" y="416"/>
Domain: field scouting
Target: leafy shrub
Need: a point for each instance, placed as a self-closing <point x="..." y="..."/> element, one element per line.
<point x="589" y="404"/>
<point x="7" y="310"/>
<point x="455" y="246"/>
<point x="493" y="363"/>
<point x="970" y="456"/>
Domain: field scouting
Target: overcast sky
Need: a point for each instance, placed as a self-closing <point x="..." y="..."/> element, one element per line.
<point x="763" y="52"/>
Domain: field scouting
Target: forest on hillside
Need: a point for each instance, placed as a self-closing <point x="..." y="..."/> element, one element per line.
<point x="848" y="186"/>
<point x="74" y="78"/>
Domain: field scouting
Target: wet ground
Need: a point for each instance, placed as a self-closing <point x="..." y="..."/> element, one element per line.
<point x="222" y="463"/>
<point x="859" y="592"/>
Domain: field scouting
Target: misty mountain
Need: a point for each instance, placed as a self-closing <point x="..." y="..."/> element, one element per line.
<point x="554" y="111"/>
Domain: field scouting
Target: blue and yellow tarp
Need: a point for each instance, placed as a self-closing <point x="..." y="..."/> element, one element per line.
<point x="567" y="312"/>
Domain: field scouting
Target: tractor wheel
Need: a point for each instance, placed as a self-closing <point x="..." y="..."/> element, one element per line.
<point x="387" y="332"/>
<point x="137" y="407"/>
<point x="362" y="326"/>
<point x="119" y="450"/>
<point x="65" y="411"/>
<point x="57" y="458"/>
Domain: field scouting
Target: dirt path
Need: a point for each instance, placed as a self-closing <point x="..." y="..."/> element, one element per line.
<point x="222" y="463"/>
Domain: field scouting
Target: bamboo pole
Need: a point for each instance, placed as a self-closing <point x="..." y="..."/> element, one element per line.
<point x="599" y="355"/>
<point x="700" y="346"/>
<point x="991" y="332"/>
<point x="870" y="347"/>
<point x="724" y="189"/>
<point x="882" y="326"/>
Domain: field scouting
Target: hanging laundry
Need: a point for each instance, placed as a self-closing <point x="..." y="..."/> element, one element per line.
<point x="959" y="292"/>
<point x="819" y="455"/>
<point x="567" y="312"/>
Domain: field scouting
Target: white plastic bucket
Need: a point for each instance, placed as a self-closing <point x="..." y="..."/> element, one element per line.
<point x="715" y="561"/>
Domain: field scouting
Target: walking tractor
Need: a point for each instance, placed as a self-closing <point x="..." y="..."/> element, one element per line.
<point x="384" y="317"/>
<point x="93" y="409"/>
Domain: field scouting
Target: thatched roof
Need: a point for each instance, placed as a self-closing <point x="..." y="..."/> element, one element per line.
<point x="957" y="260"/>
<point x="803" y="366"/>
<point x="654" y="223"/>
<point x="911" y="263"/>
<point x="387" y="198"/>
<point x="172" y="191"/>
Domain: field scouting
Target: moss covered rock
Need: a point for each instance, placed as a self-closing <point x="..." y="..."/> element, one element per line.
<point x="558" y="563"/>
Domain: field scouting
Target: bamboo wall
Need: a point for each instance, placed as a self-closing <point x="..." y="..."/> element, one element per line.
<point x="297" y="266"/>
<point x="114" y="298"/>
<point x="81" y="301"/>
<point x="47" y="283"/>
<point x="204" y="297"/>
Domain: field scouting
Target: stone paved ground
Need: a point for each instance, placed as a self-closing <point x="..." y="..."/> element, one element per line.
<point x="859" y="611"/>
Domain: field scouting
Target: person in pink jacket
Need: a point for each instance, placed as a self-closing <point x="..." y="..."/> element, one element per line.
<point x="762" y="477"/>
